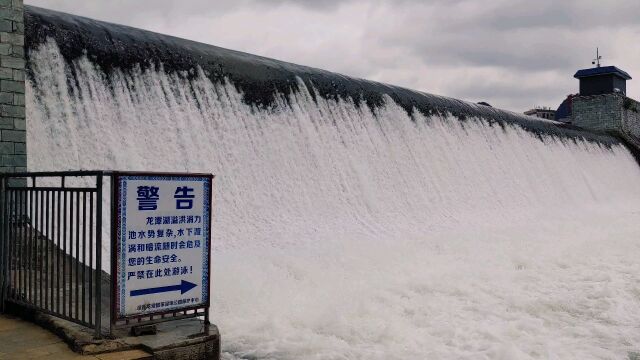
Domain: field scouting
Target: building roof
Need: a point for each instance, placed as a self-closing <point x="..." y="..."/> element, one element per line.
<point x="604" y="70"/>
<point x="538" y="110"/>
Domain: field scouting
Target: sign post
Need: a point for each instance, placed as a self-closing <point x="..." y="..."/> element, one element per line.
<point x="161" y="246"/>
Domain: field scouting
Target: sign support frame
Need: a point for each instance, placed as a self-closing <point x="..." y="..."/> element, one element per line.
<point x="159" y="316"/>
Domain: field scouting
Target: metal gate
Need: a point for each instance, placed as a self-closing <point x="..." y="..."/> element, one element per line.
<point x="51" y="245"/>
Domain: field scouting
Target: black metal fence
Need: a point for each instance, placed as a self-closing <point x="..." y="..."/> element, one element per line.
<point x="51" y="244"/>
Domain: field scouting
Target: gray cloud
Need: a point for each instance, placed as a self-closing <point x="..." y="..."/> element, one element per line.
<point x="512" y="53"/>
<point x="325" y="5"/>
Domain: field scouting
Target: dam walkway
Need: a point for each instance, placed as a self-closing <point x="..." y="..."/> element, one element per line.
<point x="20" y="339"/>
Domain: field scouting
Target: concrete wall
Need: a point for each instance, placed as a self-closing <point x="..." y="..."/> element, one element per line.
<point x="631" y="121"/>
<point x="13" y="135"/>
<point x="613" y="113"/>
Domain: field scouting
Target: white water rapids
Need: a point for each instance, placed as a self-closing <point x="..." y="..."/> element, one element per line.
<point x="340" y="233"/>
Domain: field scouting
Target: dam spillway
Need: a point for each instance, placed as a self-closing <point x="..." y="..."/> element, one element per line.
<point x="355" y="219"/>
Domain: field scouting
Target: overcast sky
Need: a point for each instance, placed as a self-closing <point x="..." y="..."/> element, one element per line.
<point x="513" y="54"/>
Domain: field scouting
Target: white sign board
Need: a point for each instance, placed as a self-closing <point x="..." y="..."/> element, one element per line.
<point x="162" y="243"/>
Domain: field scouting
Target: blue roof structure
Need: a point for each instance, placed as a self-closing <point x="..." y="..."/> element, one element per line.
<point x="604" y="70"/>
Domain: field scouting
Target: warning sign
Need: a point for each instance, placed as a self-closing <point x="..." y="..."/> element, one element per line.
<point x="162" y="243"/>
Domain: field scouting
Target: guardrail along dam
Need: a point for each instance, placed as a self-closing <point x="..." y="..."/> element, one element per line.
<point x="354" y="219"/>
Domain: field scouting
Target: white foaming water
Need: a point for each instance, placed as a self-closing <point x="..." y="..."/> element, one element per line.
<point x="343" y="234"/>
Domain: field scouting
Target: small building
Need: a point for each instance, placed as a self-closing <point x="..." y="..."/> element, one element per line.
<point x="604" y="106"/>
<point x="602" y="80"/>
<point x="542" y="112"/>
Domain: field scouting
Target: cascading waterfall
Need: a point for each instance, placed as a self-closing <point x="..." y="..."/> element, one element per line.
<point x="350" y="232"/>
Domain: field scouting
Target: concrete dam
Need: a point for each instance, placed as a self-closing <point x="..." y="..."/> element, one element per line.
<point x="354" y="219"/>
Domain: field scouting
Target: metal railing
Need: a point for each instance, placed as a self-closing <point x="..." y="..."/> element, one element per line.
<point x="51" y="245"/>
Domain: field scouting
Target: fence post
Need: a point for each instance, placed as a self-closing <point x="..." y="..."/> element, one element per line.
<point x="114" y="178"/>
<point x="98" y="271"/>
<point x="3" y="241"/>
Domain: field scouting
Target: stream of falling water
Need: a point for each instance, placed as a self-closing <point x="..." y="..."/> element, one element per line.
<point x="345" y="233"/>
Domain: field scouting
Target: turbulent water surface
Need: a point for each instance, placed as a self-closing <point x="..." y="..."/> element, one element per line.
<point x="345" y="232"/>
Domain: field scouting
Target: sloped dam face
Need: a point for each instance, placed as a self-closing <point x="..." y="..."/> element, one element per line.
<point x="355" y="220"/>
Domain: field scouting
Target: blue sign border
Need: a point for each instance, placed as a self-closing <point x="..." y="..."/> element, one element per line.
<point x="120" y="259"/>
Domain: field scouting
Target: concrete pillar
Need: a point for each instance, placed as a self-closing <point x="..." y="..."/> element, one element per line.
<point x="13" y="133"/>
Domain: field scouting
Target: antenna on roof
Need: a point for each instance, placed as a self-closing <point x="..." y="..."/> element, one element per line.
<point x="596" y="61"/>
